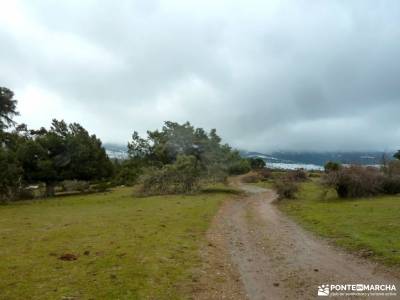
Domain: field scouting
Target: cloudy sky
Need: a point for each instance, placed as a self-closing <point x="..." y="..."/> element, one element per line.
<point x="269" y="75"/>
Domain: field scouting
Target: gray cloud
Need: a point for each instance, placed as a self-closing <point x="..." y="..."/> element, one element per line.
<point x="269" y="75"/>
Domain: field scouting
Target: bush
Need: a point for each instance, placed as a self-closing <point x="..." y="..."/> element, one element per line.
<point x="127" y="172"/>
<point x="216" y="172"/>
<point x="286" y="189"/>
<point x="296" y="175"/>
<point x="256" y="163"/>
<point x="10" y="175"/>
<point x="355" y="181"/>
<point x="391" y="185"/>
<point x="264" y="174"/>
<point x="392" y="168"/>
<point x="332" y="166"/>
<point x="177" y="178"/>
<point x="239" y="167"/>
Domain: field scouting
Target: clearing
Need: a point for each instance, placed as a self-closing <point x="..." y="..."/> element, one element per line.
<point x="117" y="246"/>
<point x="104" y="246"/>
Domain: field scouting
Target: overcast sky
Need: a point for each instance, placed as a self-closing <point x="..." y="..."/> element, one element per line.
<point x="269" y="75"/>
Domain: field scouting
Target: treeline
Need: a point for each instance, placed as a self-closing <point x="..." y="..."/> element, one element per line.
<point x="49" y="156"/>
<point x="179" y="158"/>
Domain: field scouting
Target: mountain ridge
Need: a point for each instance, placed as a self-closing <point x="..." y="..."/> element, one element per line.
<point x="119" y="151"/>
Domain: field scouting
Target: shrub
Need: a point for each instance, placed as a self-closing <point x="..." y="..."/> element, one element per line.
<point x="177" y="178"/>
<point x="392" y="168"/>
<point x="10" y="174"/>
<point x="355" y="181"/>
<point x="241" y="166"/>
<point x="256" y="163"/>
<point x="216" y="172"/>
<point x="391" y="185"/>
<point x="296" y="175"/>
<point x="264" y="174"/>
<point x="127" y="172"/>
<point x="332" y="166"/>
<point x="286" y="189"/>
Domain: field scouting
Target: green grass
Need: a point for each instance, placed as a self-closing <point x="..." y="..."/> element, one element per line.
<point x="136" y="248"/>
<point x="369" y="224"/>
<point x="264" y="184"/>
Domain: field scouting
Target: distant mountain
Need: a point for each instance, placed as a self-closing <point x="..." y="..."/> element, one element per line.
<point x="288" y="160"/>
<point x="116" y="151"/>
<point x="316" y="160"/>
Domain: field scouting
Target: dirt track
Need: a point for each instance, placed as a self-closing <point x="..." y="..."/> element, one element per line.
<point x="258" y="253"/>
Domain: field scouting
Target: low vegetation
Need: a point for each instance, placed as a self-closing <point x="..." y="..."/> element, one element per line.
<point x="286" y="189"/>
<point x="359" y="181"/>
<point x="287" y="183"/>
<point x="104" y="246"/>
<point x="256" y="163"/>
<point x="181" y="177"/>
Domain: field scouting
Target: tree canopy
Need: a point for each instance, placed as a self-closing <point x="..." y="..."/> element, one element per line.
<point x="8" y="108"/>
<point x="65" y="151"/>
<point x="62" y="152"/>
<point x="397" y="155"/>
<point x="176" y="158"/>
<point x="166" y="151"/>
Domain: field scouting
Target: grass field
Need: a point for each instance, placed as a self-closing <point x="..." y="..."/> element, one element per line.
<point x="264" y="184"/>
<point x="126" y="247"/>
<point x="369" y="226"/>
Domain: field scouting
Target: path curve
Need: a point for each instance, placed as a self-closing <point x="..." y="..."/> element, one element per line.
<point x="276" y="259"/>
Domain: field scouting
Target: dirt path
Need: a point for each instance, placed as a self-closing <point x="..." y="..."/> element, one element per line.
<point x="264" y="255"/>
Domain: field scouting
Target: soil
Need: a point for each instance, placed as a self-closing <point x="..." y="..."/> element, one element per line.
<point x="256" y="252"/>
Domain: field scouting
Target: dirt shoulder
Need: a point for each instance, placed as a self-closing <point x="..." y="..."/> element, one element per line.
<point x="220" y="279"/>
<point x="256" y="252"/>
